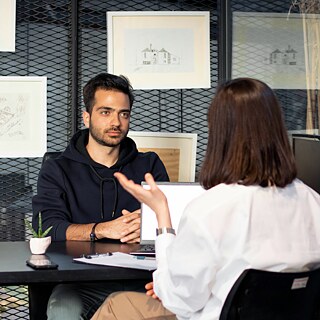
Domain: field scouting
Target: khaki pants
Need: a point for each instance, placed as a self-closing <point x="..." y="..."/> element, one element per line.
<point x="132" y="306"/>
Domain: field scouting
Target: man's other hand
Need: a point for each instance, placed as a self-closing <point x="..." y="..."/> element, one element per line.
<point x="133" y="220"/>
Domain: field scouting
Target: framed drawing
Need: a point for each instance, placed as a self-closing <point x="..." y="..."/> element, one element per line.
<point x="160" y="49"/>
<point x="23" y="116"/>
<point x="7" y="25"/>
<point x="270" y="47"/>
<point x="176" y="150"/>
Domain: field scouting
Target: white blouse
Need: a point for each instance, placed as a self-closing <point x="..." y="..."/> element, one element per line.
<point x="230" y="228"/>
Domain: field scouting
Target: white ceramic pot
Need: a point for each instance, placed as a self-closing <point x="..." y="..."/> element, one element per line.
<point x="39" y="245"/>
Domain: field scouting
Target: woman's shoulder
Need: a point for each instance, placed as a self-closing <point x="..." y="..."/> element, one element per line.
<point x="300" y="187"/>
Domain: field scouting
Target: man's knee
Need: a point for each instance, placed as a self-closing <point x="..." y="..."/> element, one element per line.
<point x="64" y="303"/>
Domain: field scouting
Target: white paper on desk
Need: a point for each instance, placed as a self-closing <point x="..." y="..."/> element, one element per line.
<point x="119" y="259"/>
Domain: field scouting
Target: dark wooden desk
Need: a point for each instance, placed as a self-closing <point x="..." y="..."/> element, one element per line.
<point x="14" y="271"/>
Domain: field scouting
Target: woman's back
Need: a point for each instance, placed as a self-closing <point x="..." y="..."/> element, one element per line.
<point x="273" y="218"/>
<point x="234" y="227"/>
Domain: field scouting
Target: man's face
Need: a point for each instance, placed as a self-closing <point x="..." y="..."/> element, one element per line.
<point x="109" y="120"/>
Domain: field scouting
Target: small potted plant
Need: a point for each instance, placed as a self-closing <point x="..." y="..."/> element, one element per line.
<point x="40" y="240"/>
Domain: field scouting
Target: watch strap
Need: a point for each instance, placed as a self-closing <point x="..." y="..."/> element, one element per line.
<point x="93" y="236"/>
<point x="165" y="230"/>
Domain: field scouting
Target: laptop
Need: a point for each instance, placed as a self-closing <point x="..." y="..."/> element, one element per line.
<point x="179" y="194"/>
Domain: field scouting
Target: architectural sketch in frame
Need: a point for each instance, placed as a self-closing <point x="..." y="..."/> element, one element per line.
<point x="23" y="117"/>
<point x="176" y="150"/>
<point x="7" y="25"/>
<point x="160" y="50"/>
<point x="270" y="47"/>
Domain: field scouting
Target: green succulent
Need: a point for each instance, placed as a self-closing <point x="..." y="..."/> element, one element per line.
<point x="40" y="233"/>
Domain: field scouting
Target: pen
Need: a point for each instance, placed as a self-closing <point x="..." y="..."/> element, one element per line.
<point x="97" y="255"/>
<point x="145" y="258"/>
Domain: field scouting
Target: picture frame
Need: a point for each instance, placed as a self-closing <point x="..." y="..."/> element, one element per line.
<point x="23" y="116"/>
<point x="160" y="49"/>
<point x="270" y="47"/>
<point x="177" y="151"/>
<point x="7" y="25"/>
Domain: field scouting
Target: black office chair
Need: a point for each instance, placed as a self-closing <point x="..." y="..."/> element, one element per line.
<point x="39" y="293"/>
<point x="265" y="295"/>
<point x="50" y="155"/>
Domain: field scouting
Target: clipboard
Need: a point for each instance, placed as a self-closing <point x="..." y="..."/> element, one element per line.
<point x="119" y="259"/>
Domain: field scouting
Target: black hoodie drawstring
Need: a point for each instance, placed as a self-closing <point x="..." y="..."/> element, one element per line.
<point x="102" y="181"/>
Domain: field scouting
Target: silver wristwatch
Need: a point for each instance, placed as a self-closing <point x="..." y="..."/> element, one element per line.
<point x="165" y="230"/>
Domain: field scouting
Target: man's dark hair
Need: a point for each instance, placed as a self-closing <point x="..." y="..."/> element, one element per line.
<point x="106" y="81"/>
<point x="247" y="142"/>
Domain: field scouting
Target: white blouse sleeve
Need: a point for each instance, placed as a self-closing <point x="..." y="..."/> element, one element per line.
<point x="187" y="265"/>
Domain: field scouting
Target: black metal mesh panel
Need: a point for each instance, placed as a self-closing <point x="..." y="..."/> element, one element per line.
<point x="41" y="50"/>
<point x="293" y="102"/>
<point x="14" y="303"/>
<point x="44" y="48"/>
<point x="154" y="110"/>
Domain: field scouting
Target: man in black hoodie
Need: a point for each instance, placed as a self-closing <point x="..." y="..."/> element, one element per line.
<point x="78" y="195"/>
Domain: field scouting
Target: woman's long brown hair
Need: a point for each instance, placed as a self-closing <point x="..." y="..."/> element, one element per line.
<point x="247" y="140"/>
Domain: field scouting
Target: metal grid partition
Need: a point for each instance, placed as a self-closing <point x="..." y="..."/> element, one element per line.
<point x="293" y="102"/>
<point x="42" y="49"/>
<point x="66" y="41"/>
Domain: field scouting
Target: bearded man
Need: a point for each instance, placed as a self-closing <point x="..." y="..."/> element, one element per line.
<point x="78" y="195"/>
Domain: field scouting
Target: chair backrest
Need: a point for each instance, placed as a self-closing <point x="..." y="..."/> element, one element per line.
<point x="265" y="295"/>
<point x="306" y="150"/>
<point x="50" y="155"/>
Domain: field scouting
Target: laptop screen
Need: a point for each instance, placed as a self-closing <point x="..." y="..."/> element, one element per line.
<point x="179" y="194"/>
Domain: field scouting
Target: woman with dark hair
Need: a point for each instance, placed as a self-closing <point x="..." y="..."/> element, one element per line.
<point x="254" y="214"/>
<point x="247" y="142"/>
